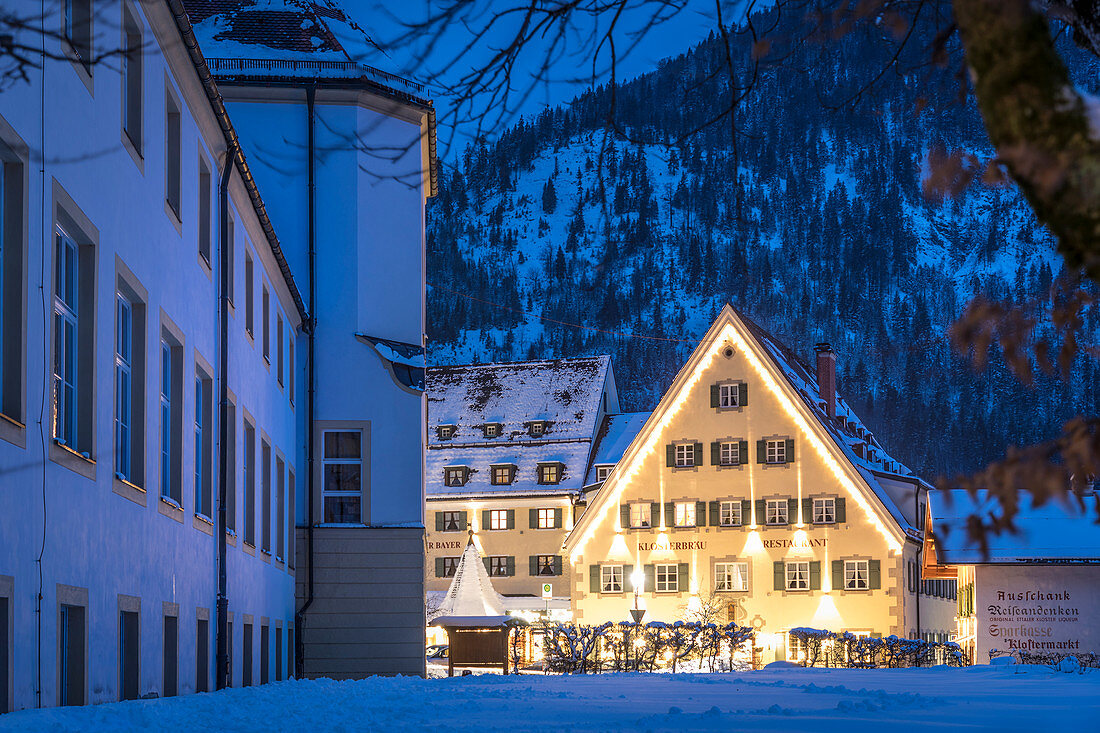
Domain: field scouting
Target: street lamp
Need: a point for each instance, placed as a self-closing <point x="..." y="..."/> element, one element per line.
<point x="637" y="579"/>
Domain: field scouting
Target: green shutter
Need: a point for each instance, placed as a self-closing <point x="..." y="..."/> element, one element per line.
<point x="742" y="394"/>
<point x="624" y="515"/>
<point x="650" y="584"/>
<point x="682" y="577"/>
<point x="716" y="453"/>
<point x="511" y="519"/>
<point x="746" y="511"/>
<point x="510" y="566"/>
<point x="743" y="452"/>
<point x="760" y="512"/>
<point x="488" y="566"/>
<point x="700" y="514"/>
<point x="841" y="516"/>
<point x="670" y="455"/>
<point x="874" y="574"/>
<point x="807" y="511"/>
<point x="792" y="510"/>
<point x="815" y="575"/>
<point x="439" y="567"/>
<point x="593" y="578"/>
<point x="838" y="575"/>
<point x="462" y="521"/>
<point x="698" y="454"/>
<point x="715" y="514"/>
<point x="654" y="514"/>
<point x="779" y="575"/>
<point x="485" y="519"/>
<point x="714" y="395"/>
<point x="439" y="521"/>
<point x="533" y="519"/>
<point x="534" y="564"/>
<point x="557" y="518"/>
<point x="670" y="513"/>
<point x="790" y="450"/>
<point x="557" y="565"/>
<point x="628" y="584"/>
<point x="761" y="451"/>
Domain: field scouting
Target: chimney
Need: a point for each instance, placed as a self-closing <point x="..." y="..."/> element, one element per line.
<point x="826" y="377"/>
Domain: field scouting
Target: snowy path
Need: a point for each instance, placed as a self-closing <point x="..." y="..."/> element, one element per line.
<point x="972" y="699"/>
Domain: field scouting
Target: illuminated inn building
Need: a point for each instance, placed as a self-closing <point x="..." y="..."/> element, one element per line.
<point x="752" y="483"/>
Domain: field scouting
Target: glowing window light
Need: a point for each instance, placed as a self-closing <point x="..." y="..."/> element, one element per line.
<point x="728" y="333"/>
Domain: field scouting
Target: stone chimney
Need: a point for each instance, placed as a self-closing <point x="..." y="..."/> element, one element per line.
<point x="826" y="377"/>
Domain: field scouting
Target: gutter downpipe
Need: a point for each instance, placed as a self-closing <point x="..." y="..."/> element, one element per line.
<point x="920" y="552"/>
<point x="221" y="675"/>
<point x="299" y="617"/>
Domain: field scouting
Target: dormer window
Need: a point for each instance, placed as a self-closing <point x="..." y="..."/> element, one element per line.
<point x="503" y="474"/>
<point x="445" y="432"/>
<point x="456" y="475"/>
<point x="491" y="429"/>
<point x="602" y="472"/>
<point x="537" y="428"/>
<point x="550" y="473"/>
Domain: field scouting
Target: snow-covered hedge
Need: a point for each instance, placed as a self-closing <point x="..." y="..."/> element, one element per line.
<point x="821" y="648"/>
<point x="1052" y="659"/>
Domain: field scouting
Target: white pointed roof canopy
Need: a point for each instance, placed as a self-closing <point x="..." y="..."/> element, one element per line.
<point x="471" y="600"/>
<point x="778" y="371"/>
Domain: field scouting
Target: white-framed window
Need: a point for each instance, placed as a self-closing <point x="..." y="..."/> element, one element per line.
<point x="502" y="475"/>
<point x="536" y="429"/>
<point x="685" y="454"/>
<point x="824" y="510"/>
<point x="729" y="514"/>
<point x="796" y="649"/>
<point x="727" y="395"/>
<point x="492" y="430"/>
<point x="683" y="514"/>
<point x="731" y="576"/>
<point x="342" y="467"/>
<point x="452" y="521"/>
<point x="65" y="332"/>
<point x="668" y="578"/>
<point x="124" y="360"/>
<point x="775" y="511"/>
<point x="498" y="519"/>
<point x="499" y="566"/>
<point x="776" y="451"/>
<point x="856" y="575"/>
<point x="798" y="575"/>
<point x="546" y="565"/>
<point x="450" y="566"/>
<point x="455" y="476"/>
<point x="602" y="472"/>
<point x="549" y="473"/>
<point x="445" y="432"/>
<point x="546" y="519"/>
<point x="641" y="514"/>
<point x="611" y="579"/>
<point x="729" y="453"/>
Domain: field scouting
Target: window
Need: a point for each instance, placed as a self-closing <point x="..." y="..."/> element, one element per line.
<point x="128" y="655"/>
<point x="280" y="509"/>
<point x="447" y="566"/>
<point x="729" y="453"/>
<point x="602" y="472"/>
<point x="856" y="575"/>
<point x="683" y="514"/>
<point x="342" y="466"/>
<point x="229" y="649"/>
<point x="501" y="567"/>
<point x="230" y="260"/>
<point x="290" y="520"/>
<point x="231" y="468"/>
<point x="5" y="655"/>
<point x="775" y="511"/>
<point x="132" y="57"/>
<point x="13" y="204"/>
<point x="727" y="395"/>
<point x="453" y="521"/>
<point x="547" y="565"/>
<point x="824" y="511"/>
<point x="796" y="648"/>
<point x="729" y="514"/>
<point x="173" y="172"/>
<point x="246" y="656"/>
<point x="547" y="518"/>
<point x="249" y="295"/>
<point x="171" y="418"/>
<point x="124" y="355"/>
<point x="798" y="575"/>
<point x="731" y="576"/>
<point x="203" y="446"/>
<point x="278" y="654"/>
<point x="66" y="339"/>
<point x="536" y="429"/>
<point x="498" y="519"/>
<point x="279" y="347"/>
<point x="611" y="578"/>
<point x="776" y="451"/>
<point x="202" y="655"/>
<point x="549" y="473"/>
<point x="685" y="454"/>
<point x="491" y="430"/>
<point x="641" y="515"/>
<point x="455" y="475"/>
<point x="249" y="484"/>
<point x="290" y="365"/>
<point x="265" y="496"/>
<point x="667" y="578"/>
<point x="502" y="475"/>
<point x="445" y="432"/>
<point x="71" y="647"/>
<point x="78" y="30"/>
<point x="170" y="657"/>
<point x="265" y="312"/>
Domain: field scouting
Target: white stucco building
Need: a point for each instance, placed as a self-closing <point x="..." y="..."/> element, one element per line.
<point x="158" y="282"/>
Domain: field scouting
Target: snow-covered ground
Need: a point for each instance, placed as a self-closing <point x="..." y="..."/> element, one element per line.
<point x="1022" y="698"/>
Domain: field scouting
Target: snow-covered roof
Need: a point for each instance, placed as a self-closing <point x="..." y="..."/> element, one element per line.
<point x="471" y="592"/>
<point x="573" y="455"/>
<point x="313" y="39"/>
<point x="1057" y="530"/>
<point x="614" y="438"/>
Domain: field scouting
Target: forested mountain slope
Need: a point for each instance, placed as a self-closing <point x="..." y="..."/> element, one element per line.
<point x="815" y="226"/>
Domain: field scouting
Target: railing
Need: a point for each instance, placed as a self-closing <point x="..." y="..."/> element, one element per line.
<point x="295" y="67"/>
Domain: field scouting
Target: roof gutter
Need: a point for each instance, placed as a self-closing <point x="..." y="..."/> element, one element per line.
<point x="183" y="24"/>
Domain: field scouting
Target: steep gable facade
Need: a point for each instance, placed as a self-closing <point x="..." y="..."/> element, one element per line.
<point x="746" y="490"/>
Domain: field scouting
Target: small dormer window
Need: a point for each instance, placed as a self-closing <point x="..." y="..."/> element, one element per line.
<point x="550" y="473"/>
<point x="456" y="475"/>
<point x="491" y="429"/>
<point x="602" y="472"/>
<point x="503" y="474"/>
<point x="536" y="429"/>
<point x="445" y="432"/>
